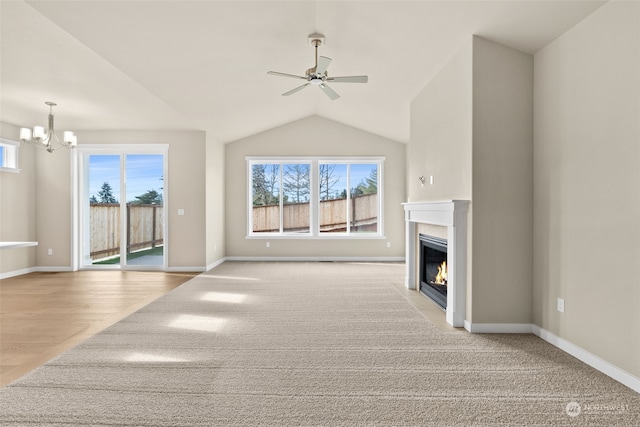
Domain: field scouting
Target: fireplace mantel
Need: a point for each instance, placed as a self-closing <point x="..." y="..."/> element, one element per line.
<point x="453" y="215"/>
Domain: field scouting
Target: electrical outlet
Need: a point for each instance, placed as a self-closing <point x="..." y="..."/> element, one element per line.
<point x="268" y="244"/>
<point x="560" y="305"/>
<point x="49" y="251"/>
<point x="388" y="244"/>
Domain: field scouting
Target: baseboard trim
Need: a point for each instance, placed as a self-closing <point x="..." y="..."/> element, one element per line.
<point x="311" y="259"/>
<point x="17" y="272"/>
<point x="52" y="269"/>
<point x="579" y="353"/>
<point x="590" y="359"/>
<point x="215" y="263"/>
<point x="498" y="328"/>
<point x="186" y="269"/>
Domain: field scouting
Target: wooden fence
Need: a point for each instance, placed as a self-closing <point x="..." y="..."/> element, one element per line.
<point x="144" y="224"/>
<point x="295" y="216"/>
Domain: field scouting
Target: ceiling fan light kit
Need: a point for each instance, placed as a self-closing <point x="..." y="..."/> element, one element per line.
<point x="318" y="75"/>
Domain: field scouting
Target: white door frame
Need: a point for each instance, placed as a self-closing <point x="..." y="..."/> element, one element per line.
<point x="79" y="190"/>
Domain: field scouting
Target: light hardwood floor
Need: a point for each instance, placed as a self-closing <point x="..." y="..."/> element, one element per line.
<point x="45" y="314"/>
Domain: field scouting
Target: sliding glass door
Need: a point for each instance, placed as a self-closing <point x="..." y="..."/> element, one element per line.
<point x="104" y="225"/>
<point x="144" y="210"/>
<point x="122" y="209"/>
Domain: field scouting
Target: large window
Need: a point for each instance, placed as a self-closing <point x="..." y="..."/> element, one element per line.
<point x="315" y="197"/>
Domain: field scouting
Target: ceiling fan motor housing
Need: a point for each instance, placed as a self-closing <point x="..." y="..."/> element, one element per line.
<point x="315" y="78"/>
<point x="316" y="38"/>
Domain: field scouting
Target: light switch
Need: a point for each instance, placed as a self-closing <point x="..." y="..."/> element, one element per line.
<point x="180" y="211"/>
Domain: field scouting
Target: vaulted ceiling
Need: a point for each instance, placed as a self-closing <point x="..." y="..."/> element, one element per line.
<point x="203" y="65"/>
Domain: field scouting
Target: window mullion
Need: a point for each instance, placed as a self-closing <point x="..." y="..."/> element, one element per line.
<point x="314" y="198"/>
<point x="281" y="200"/>
<point x="349" y="213"/>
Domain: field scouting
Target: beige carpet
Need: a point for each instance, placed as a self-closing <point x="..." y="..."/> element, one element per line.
<point x="317" y="344"/>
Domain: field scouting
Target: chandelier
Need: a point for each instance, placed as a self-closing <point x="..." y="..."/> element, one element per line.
<point x="48" y="140"/>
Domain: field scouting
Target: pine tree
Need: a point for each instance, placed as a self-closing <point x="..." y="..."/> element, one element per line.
<point x="368" y="185"/>
<point x="105" y="195"/>
<point x="149" y="198"/>
<point x="266" y="184"/>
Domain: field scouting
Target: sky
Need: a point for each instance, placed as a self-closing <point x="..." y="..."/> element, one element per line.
<point x="144" y="173"/>
<point x="358" y="173"/>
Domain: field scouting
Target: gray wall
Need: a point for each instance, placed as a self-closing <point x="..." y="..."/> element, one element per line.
<point x="471" y="128"/>
<point x="186" y="188"/>
<point x="215" y="235"/>
<point x="587" y="185"/>
<point x="314" y="136"/>
<point x="38" y="201"/>
<point x="18" y="206"/>
<point x="441" y="133"/>
<point x="502" y="199"/>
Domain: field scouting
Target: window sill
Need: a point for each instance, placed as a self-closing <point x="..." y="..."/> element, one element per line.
<point x="12" y="170"/>
<point x="310" y="237"/>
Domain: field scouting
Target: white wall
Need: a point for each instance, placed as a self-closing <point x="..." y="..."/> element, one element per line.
<point x="587" y="185"/>
<point x="314" y="136"/>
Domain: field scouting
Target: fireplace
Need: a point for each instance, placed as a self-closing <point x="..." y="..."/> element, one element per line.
<point x="451" y="214"/>
<point x="433" y="269"/>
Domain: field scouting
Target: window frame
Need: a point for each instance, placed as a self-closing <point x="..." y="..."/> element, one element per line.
<point x="314" y="199"/>
<point x="10" y="158"/>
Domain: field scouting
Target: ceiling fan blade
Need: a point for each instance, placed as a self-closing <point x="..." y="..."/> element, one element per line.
<point x="323" y="64"/>
<point x="330" y="92"/>
<point x="349" y="79"/>
<point x="296" y="89"/>
<point x="275" y="73"/>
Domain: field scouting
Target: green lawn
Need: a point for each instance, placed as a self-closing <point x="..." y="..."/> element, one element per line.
<point x="157" y="251"/>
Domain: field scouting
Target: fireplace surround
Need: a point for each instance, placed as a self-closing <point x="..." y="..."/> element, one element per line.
<point x="451" y="214"/>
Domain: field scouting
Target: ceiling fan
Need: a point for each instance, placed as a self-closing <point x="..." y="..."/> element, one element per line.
<point x="318" y="74"/>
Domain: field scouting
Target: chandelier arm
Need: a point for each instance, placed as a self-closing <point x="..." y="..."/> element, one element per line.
<point x="49" y="141"/>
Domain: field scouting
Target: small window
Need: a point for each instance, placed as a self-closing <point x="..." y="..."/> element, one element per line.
<point x="9" y="155"/>
<point x="315" y="197"/>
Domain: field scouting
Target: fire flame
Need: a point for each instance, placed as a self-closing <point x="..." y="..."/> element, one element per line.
<point x="441" y="277"/>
